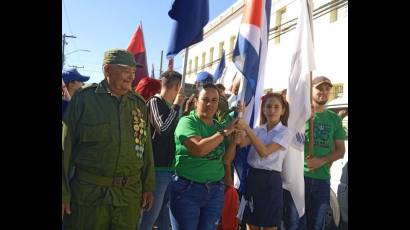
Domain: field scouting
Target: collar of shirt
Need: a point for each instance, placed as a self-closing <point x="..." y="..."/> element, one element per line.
<point x="277" y="127"/>
<point x="103" y="88"/>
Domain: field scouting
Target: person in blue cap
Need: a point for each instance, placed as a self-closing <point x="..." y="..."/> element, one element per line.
<point x="73" y="81"/>
<point x="203" y="78"/>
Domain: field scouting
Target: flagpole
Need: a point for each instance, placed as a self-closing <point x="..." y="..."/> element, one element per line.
<point x="160" y="66"/>
<point x="153" y="75"/>
<point x="243" y="91"/>
<point x="184" y="71"/>
<point x="145" y="48"/>
<point x="311" y="127"/>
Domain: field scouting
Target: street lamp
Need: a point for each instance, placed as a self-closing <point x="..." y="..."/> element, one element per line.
<point x="77" y="51"/>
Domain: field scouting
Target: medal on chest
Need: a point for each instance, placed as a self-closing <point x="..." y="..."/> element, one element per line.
<point x="140" y="134"/>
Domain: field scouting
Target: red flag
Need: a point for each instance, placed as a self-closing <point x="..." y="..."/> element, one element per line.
<point x="229" y="211"/>
<point x="137" y="47"/>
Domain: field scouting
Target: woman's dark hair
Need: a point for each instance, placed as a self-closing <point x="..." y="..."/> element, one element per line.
<point x="210" y="86"/>
<point x="283" y="102"/>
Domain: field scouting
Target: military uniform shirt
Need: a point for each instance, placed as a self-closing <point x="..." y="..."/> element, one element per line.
<point x="99" y="136"/>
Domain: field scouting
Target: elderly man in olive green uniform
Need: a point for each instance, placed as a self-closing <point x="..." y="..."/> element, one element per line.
<point x="107" y="138"/>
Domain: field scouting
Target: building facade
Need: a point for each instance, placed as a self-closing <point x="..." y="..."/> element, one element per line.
<point x="330" y="25"/>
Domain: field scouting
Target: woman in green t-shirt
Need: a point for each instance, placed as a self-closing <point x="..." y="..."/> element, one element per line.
<point x="197" y="189"/>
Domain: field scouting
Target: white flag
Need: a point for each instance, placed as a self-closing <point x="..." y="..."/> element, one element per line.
<point x="298" y="95"/>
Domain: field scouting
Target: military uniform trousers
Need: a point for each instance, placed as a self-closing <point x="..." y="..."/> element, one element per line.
<point x="96" y="207"/>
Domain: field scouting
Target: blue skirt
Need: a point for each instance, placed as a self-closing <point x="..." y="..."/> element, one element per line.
<point x="264" y="198"/>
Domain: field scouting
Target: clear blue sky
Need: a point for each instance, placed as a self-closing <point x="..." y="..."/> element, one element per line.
<point x="103" y="24"/>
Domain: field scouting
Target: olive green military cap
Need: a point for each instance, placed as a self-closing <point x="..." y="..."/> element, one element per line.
<point x="120" y="57"/>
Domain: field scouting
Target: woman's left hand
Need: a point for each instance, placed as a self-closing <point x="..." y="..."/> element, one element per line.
<point x="237" y="136"/>
<point x="241" y="124"/>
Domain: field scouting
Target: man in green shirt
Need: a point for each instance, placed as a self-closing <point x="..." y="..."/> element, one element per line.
<point x="106" y="136"/>
<point x="329" y="146"/>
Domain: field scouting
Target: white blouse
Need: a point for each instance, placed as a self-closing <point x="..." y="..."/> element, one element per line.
<point x="280" y="135"/>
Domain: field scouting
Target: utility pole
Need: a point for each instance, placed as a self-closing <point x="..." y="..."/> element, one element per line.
<point x="65" y="43"/>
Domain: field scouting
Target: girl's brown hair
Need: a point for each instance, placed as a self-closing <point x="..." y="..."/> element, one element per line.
<point x="283" y="102"/>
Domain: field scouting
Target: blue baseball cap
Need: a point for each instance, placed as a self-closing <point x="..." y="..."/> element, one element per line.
<point x="72" y="74"/>
<point x="204" y="77"/>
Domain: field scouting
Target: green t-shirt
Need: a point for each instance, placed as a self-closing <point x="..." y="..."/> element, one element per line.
<point x="327" y="128"/>
<point x="200" y="169"/>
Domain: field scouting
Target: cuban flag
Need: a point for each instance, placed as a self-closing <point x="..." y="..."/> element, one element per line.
<point x="250" y="51"/>
<point x="249" y="57"/>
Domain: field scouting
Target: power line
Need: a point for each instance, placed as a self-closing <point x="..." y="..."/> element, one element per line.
<point x="91" y="70"/>
<point x="76" y="67"/>
<point x="317" y="13"/>
<point x="68" y="22"/>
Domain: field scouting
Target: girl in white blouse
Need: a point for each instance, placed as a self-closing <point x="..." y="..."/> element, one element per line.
<point x="269" y="140"/>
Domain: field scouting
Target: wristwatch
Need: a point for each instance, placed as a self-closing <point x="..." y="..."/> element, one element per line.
<point x="223" y="133"/>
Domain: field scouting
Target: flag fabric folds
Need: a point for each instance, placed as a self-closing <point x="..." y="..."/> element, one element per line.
<point x="221" y="66"/>
<point x="190" y="18"/>
<point x="298" y="94"/>
<point x="249" y="57"/>
<point x="137" y="48"/>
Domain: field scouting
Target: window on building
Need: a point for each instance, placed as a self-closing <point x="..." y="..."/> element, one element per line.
<point x="203" y="61"/>
<point x="221" y="48"/>
<point x="196" y="64"/>
<point x="190" y="66"/>
<point x="278" y="22"/>
<point x="333" y="13"/>
<point x="336" y="91"/>
<point x="211" y="56"/>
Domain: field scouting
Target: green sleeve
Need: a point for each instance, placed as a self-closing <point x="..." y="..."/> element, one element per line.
<point x="229" y="117"/>
<point x="340" y="133"/>
<point x="148" y="173"/>
<point x="186" y="128"/>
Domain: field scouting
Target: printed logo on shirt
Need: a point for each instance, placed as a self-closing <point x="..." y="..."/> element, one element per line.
<point x="322" y="134"/>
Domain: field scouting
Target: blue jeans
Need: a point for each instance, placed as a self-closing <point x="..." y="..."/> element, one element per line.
<point x="159" y="212"/>
<point x="291" y="218"/>
<point x="194" y="205"/>
<point x="317" y="202"/>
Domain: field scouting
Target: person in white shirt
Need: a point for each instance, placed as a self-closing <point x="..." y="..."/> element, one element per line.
<point x="263" y="196"/>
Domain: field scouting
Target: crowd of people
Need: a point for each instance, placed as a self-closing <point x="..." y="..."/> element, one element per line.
<point x="140" y="156"/>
